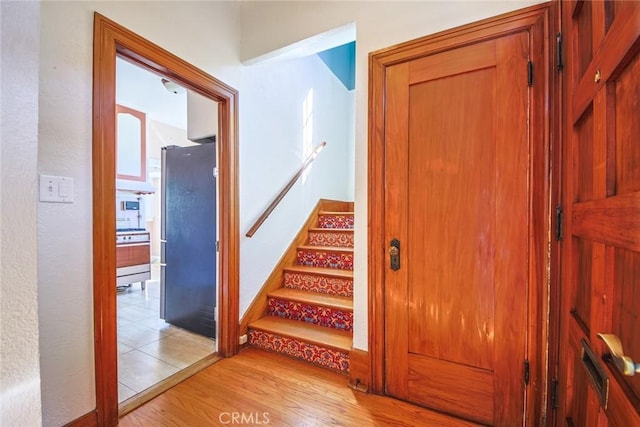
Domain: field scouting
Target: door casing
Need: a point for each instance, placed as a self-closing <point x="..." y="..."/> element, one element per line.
<point x="543" y="127"/>
<point x="111" y="40"/>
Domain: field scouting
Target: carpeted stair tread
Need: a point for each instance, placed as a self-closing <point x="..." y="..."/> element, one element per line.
<point x="302" y="331"/>
<point x="337" y="249"/>
<point x="332" y="272"/>
<point x="313" y="298"/>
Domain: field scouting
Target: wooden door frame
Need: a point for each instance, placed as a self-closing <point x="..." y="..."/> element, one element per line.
<point x="543" y="282"/>
<point x="111" y="40"/>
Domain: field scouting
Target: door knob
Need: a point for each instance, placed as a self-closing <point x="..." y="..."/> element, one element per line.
<point x="394" y="254"/>
<point x="624" y="363"/>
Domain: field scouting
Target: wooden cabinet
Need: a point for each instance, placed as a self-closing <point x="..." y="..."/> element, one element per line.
<point x="134" y="254"/>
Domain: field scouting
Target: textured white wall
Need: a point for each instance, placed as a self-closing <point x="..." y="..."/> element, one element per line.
<point x="271" y="123"/>
<point x="19" y="361"/>
<point x="272" y="25"/>
<point x="203" y="33"/>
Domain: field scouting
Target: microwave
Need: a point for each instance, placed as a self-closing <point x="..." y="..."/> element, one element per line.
<point x="129" y="205"/>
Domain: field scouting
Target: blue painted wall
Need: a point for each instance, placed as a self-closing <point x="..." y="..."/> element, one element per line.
<point x="341" y="60"/>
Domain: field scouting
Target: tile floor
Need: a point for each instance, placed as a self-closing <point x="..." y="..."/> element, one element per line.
<point x="149" y="349"/>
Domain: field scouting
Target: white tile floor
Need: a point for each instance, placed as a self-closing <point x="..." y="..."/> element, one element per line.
<point x="149" y="349"/>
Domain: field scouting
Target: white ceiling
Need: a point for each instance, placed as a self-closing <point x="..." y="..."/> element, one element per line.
<point x="142" y="90"/>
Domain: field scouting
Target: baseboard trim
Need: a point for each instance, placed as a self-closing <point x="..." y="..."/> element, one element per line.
<point x="359" y="370"/>
<point x="87" y="420"/>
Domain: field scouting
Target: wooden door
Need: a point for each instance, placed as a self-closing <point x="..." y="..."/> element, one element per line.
<point x="458" y="199"/>
<point x="601" y="246"/>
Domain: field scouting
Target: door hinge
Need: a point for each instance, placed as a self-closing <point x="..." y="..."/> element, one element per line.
<point x="554" y="393"/>
<point x="217" y="245"/>
<point x="559" y="64"/>
<point x="559" y="219"/>
<point x="526" y="372"/>
<point x="530" y="73"/>
<point x="215" y="172"/>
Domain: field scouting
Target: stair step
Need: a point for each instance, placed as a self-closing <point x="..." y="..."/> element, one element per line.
<point x="336" y="249"/>
<point x="333" y="272"/>
<point x="305" y="332"/>
<point x="313" y="298"/>
<point x="325" y="256"/>
<point x="331" y="230"/>
<point x="336" y="237"/>
<point x="330" y="281"/>
<point x="328" y="219"/>
<point x="345" y="213"/>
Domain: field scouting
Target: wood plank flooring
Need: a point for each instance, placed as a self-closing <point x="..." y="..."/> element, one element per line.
<point x="260" y="388"/>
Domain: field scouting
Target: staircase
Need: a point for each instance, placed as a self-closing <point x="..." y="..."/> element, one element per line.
<point x="311" y="316"/>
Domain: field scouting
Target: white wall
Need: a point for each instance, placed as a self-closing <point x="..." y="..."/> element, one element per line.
<point x="203" y="33"/>
<point x="271" y="95"/>
<point x="268" y="26"/>
<point x="271" y="151"/>
<point x="19" y="361"/>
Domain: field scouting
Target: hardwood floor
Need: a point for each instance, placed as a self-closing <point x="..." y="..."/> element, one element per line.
<point x="260" y="388"/>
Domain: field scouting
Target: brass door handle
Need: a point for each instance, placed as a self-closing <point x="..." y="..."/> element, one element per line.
<point x="624" y="363"/>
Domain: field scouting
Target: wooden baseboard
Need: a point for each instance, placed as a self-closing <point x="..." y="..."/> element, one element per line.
<point x="87" y="420"/>
<point x="258" y="306"/>
<point x="359" y="371"/>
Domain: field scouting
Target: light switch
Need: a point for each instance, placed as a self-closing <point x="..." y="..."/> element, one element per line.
<point x="56" y="189"/>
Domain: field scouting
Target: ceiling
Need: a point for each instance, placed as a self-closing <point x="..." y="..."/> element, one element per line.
<point x="142" y="90"/>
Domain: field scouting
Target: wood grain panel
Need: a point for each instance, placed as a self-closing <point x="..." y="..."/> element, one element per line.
<point x="625" y="320"/>
<point x="452" y="203"/>
<point x="396" y="227"/>
<point x="614" y="221"/>
<point x="583" y="259"/>
<point x="582" y="16"/>
<point x="533" y="20"/>
<point x="359" y="370"/>
<point x="132" y="255"/>
<point x="620" y="44"/>
<point x="514" y="257"/>
<point x="627" y="129"/>
<point x="458" y="61"/>
<point x="439" y="383"/>
<point x="584" y="133"/>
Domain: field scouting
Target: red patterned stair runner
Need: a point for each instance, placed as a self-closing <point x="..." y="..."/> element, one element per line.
<point x="311" y="316"/>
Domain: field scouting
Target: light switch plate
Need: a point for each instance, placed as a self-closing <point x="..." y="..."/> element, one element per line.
<point x="56" y="189"/>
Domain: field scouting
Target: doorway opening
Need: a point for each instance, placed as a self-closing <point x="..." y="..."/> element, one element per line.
<point x="165" y="311"/>
<point x="110" y="42"/>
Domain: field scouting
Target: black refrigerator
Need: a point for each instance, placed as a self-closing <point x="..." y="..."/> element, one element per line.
<point x="188" y="254"/>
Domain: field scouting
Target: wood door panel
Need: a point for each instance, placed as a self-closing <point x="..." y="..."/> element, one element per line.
<point x="453" y="208"/>
<point x="602" y="197"/>
<point x="439" y="383"/>
<point x="627" y="132"/>
<point x="614" y="220"/>
<point x="449" y="63"/>
<point x="585" y="157"/>
<point x="620" y="45"/>
<point x="625" y="319"/>
<point x="458" y="174"/>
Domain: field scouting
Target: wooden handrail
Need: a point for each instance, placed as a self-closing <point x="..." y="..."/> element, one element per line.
<point x="285" y="190"/>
